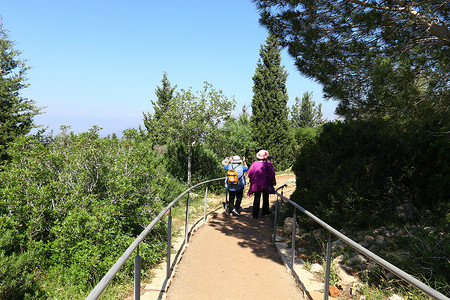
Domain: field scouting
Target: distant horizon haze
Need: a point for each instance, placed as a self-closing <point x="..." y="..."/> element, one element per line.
<point x="98" y="63"/>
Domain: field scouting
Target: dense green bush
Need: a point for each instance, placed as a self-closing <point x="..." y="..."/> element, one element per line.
<point x="70" y="208"/>
<point x="234" y="138"/>
<point x="357" y="172"/>
<point x="305" y="135"/>
<point x="205" y="165"/>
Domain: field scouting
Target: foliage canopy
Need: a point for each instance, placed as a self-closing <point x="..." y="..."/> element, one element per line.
<point x="378" y="58"/>
<point x="70" y="208"/>
<point x="355" y="173"/>
<point x="17" y="112"/>
<point x="190" y="118"/>
<point x="269" y="120"/>
<point x="234" y="137"/>
<point x="304" y="112"/>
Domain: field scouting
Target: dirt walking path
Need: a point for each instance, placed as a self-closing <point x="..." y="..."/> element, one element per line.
<point x="233" y="257"/>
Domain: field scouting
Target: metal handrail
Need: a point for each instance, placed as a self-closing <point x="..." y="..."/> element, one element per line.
<point x="405" y="276"/>
<point x="101" y="286"/>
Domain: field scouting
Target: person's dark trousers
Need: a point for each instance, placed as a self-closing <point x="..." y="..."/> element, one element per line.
<point x="265" y="206"/>
<point x="238" y="195"/>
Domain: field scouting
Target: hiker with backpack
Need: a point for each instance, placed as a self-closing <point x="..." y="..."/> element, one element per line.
<point x="235" y="183"/>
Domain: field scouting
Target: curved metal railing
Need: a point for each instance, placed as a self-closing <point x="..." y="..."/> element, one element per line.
<point x="101" y="286"/>
<point x="403" y="275"/>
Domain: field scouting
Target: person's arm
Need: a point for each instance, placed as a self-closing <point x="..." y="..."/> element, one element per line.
<point x="250" y="173"/>
<point x="245" y="164"/>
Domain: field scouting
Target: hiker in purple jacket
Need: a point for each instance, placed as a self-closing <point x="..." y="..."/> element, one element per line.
<point x="262" y="179"/>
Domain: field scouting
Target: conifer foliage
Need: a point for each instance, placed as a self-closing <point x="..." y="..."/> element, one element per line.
<point x="377" y="58"/>
<point x="17" y="112"/>
<point x="304" y="112"/>
<point x="165" y="94"/>
<point x="269" y="120"/>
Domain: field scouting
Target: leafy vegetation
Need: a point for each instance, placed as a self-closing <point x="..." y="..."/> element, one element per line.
<point x="386" y="63"/>
<point x="71" y="204"/>
<point x="305" y="114"/>
<point x="234" y="138"/>
<point x="362" y="170"/>
<point x="17" y="112"/>
<point x="355" y="175"/>
<point x="269" y="120"/>
<point x="205" y="165"/>
<point x="189" y="118"/>
<point x="387" y="59"/>
<point x="69" y="209"/>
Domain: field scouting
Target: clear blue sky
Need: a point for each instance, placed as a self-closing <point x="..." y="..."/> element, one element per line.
<point x="96" y="62"/>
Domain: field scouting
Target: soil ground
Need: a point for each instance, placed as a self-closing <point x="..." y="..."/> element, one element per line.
<point x="233" y="257"/>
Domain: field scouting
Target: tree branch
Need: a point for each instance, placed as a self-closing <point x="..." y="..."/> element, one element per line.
<point x="434" y="26"/>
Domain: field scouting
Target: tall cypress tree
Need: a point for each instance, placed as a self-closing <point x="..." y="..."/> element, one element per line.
<point x="269" y="119"/>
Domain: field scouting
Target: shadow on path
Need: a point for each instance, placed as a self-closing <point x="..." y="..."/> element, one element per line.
<point x="255" y="234"/>
<point x="233" y="257"/>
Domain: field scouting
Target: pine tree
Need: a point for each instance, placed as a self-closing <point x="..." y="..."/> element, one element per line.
<point x="16" y="112"/>
<point x="304" y="112"/>
<point x="383" y="59"/>
<point x="164" y="95"/>
<point x="269" y="119"/>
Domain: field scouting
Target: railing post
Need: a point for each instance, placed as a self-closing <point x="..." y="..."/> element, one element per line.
<point x="294" y="229"/>
<point x="169" y="243"/>
<point x="275" y="221"/>
<point x="186" y="229"/>
<point x="206" y="204"/>
<point x="327" y="270"/>
<point x="108" y="277"/>
<point x="277" y="204"/>
<point x="137" y="276"/>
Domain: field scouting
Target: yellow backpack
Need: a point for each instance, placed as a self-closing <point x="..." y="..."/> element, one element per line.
<point x="232" y="177"/>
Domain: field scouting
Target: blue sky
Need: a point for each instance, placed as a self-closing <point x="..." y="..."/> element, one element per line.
<point x="99" y="62"/>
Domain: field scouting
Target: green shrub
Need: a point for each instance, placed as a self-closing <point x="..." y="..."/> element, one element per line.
<point x="205" y="165"/>
<point x="357" y="172"/>
<point x="426" y="255"/>
<point x="74" y="205"/>
<point x="304" y="135"/>
<point x="18" y="273"/>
